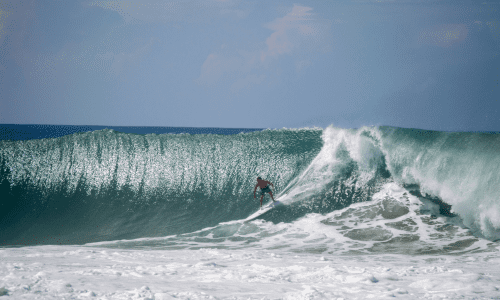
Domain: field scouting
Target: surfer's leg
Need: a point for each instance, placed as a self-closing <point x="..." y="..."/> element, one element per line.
<point x="271" y="193"/>
<point x="261" y="197"/>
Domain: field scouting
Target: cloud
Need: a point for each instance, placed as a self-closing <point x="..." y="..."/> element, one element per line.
<point x="430" y="82"/>
<point x="3" y="18"/>
<point x="247" y="82"/>
<point x="215" y="67"/>
<point x="295" y="22"/>
<point x="147" y="10"/>
<point x="238" y="12"/>
<point x="444" y="35"/>
<point x="495" y="29"/>
<point x="120" y="63"/>
<point x="160" y="11"/>
<point x="295" y="32"/>
<point x="300" y="65"/>
<point x="13" y="14"/>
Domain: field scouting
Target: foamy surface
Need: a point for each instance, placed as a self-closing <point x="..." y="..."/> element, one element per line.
<point x="67" y="272"/>
<point x="365" y="251"/>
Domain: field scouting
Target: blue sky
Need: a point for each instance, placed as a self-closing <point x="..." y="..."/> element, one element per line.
<point x="251" y="64"/>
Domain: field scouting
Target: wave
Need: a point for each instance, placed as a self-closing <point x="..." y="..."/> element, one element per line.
<point x="139" y="185"/>
<point x="107" y="185"/>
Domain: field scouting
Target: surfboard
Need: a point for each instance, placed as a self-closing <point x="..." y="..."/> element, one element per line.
<point x="262" y="211"/>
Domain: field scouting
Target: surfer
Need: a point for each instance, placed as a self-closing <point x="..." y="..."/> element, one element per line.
<point x="264" y="188"/>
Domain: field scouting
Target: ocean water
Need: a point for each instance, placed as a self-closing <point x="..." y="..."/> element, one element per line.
<point x="169" y="208"/>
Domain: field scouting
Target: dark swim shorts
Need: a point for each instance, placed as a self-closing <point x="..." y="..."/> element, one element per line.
<point x="265" y="190"/>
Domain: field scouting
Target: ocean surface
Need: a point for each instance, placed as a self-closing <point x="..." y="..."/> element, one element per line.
<point x="373" y="211"/>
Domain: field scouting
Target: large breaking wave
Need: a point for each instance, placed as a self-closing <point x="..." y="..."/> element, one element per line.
<point x="107" y="185"/>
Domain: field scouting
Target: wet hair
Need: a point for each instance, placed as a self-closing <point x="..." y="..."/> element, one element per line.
<point x="259" y="178"/>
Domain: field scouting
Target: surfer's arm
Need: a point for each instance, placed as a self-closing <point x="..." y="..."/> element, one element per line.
<point x="255" y="190"/>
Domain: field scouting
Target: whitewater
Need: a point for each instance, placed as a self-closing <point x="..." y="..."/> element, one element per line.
<point x="369" y="213"/>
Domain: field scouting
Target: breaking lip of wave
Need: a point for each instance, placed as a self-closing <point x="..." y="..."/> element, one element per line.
<point x="459" y="169"/>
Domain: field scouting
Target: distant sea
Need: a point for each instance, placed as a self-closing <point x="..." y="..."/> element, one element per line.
<point x="34" y="131"/>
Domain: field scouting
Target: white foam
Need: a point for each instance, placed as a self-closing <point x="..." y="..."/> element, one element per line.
<point x="340" y="146"/>
<point x="393" y="222"/>
<point x="460" y="168"/>
<point x="57" y="272"/>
